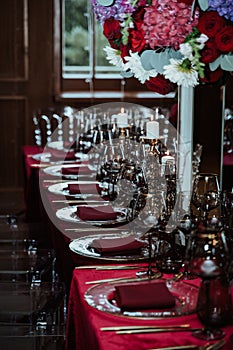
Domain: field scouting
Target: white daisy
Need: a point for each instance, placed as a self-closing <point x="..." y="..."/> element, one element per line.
<point x="181" y="72"/>
<point x="114" y="56"/>
<point x="135" y="65"/>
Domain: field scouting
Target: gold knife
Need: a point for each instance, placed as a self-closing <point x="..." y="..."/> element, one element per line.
<point x="125" y="279"/>
<point x="157" y="330"/>
<point x="207" y="346"/>
<point x="121" y="328"/>
<point x="178" y="347"/>
<point x="107" y="267"/>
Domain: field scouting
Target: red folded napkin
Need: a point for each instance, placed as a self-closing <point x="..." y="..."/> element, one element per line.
<point x="84" y="188"/>
<point x="145" y="295"/>
<point x="100" y="213"/>
<point x="117" y="245"/>
<point x="60" y="154"/>
<point x="75" y="170"/>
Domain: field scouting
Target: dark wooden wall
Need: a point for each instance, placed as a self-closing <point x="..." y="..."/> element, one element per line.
<point x="27" y="81"/>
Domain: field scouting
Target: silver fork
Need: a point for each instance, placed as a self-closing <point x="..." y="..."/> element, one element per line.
<point x="207" y="346"/>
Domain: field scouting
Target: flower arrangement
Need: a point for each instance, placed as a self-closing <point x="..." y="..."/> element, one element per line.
<point x="164" y="43"/>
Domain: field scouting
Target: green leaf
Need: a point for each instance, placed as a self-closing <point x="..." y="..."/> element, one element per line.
<point x="214" y="65"/>
<point x="203" y="4"/>
<point x="126" y="74"/>
<point x="157" y="60"/>
<point x="227" y="63"/>
<point x="105" y="2"/>
<point x="146" y="58"/>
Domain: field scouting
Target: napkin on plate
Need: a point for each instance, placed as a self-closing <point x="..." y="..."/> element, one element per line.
<point x="84" y="188"/>
<point x="100" y="213"/>
<point x="117" y="245"/>
<point x="60" y="154"/>
<point x="144" y="295"/>
<point x="75" y="170"/>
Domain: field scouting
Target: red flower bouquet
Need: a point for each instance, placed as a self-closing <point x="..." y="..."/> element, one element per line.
<point x="167" y="42"/>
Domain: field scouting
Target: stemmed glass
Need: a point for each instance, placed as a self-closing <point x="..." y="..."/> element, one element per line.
<point x="110" y="167"/>
<point x="206" y="192"/>
<point x="185" y="225"/>
<point x="153" y="205"/>
<point x="209" y="259"/>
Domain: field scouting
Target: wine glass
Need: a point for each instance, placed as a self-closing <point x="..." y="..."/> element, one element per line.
<point x="206" y="192"/>
<point x="170" y="252"/>
<point x="209" y="259"/>
<point x="110" y="166"/>
<point x="185" y="225"/>
<point x="152" y="205"/>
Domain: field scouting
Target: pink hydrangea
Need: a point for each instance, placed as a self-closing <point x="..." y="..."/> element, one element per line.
<point x="168" y="22"/>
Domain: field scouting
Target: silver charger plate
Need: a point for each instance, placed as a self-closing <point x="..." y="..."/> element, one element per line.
<point x="61" y="189"/>
<point x="69" y="214"/>
<point x="82" y="246"/>
<point x="55" y="170"/>
<point x="101" y="297"/>
<point x="42" y="157"/>
<point x="59" y="145"/>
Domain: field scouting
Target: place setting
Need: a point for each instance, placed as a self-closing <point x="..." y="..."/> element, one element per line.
<point x="70" y="171"/>
<point x="118" y="246"/>
<point x="123" y="298"/>
<point x="99" y="213"/>
<point x="79" y="189"/>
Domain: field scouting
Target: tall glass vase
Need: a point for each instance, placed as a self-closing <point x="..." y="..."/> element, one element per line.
<point x="185" y="138"/>
<point x="200" y="120"/>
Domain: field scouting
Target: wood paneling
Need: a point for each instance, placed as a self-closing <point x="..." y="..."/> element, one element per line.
<point x="13" y="40"/>
<point x="12" y="119"/>
<point x="26" y="79"/>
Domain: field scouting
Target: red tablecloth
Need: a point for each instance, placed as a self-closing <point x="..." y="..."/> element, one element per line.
<point x="84" y="322"/>
<point x="41" y="205"/>
<point x="228" y="159"/>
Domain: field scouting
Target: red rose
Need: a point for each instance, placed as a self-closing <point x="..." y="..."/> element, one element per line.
<point x="210" y="23"/>
<point x="138" y="16"/>
<point x="187" y="2"/>
<point x="210" y="53"/>
<point x="115" y="45"/>
<point x="212" y="76"/>
<point x="142" y="3"/>
<point x="112" y="29"/>
<point x="124" y="51"/>
<point x="224" y="39"/>
<point x="160" y="85"/>
<point x="136" y="40"/>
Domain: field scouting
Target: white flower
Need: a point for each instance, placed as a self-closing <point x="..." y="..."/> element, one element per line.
<point x="135" y="65"/>
<point x="181" y="72"/>
<point x="186" y="50"/>
<point x="202" y="40"/>
<point x="114" y="56"/>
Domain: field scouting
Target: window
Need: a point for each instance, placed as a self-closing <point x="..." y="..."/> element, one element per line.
<point x="83" y="42"/>
<point x="81" y="69"/>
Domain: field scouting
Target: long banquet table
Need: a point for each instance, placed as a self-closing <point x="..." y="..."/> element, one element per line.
<point x="84" y="321"/>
